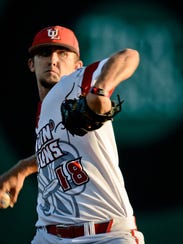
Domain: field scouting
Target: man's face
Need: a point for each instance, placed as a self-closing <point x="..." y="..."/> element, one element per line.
<point x="51" y="63"/>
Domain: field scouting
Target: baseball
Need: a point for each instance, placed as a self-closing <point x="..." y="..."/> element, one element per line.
<point x="5" y="200"/>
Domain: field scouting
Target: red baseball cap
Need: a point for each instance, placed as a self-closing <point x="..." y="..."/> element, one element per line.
<point x="55" y="36"/>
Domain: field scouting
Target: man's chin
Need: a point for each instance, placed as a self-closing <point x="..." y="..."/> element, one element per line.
<point x="47" y="85"/>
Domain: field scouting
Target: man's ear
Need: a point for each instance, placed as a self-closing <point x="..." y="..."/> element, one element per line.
<point x="79" y="64"/>
<point x="30" y="63"/>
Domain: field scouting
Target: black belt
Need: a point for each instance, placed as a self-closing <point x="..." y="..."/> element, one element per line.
<point x="73" y="231"/>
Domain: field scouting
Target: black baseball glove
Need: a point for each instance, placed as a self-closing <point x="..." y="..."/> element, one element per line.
<point x="79" y="119"/>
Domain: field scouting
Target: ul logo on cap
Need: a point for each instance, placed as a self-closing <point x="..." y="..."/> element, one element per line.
<point x="53" y="33"/>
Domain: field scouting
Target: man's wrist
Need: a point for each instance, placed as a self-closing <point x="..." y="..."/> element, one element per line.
<point x="99" y="91"/>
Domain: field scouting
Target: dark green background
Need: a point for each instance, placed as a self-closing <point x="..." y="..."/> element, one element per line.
<point x="148" y="131"/>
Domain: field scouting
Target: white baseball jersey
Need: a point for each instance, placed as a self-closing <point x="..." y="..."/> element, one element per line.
<point x="79" y="178"/>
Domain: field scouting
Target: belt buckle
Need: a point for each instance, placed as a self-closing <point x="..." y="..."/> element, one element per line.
<point x="69" y="230"/>
<point x="60" y="226"/>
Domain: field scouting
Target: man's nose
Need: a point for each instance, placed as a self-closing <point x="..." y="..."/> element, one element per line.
<point x="53" y="57"/>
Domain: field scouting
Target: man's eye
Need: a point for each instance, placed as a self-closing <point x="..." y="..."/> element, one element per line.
<point x="45" y="53"/>
<point x="63" y="54"/>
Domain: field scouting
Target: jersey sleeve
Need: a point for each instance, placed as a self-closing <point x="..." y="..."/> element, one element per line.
<point x="90" y="75"/>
